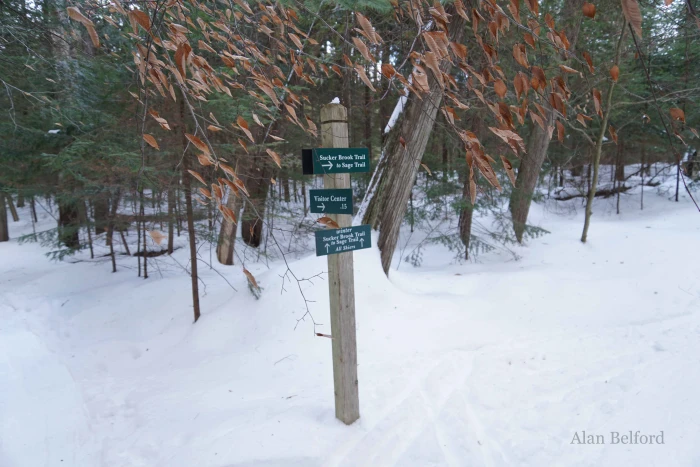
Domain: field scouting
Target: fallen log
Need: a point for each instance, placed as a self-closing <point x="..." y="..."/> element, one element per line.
<point x="605" y="193"/>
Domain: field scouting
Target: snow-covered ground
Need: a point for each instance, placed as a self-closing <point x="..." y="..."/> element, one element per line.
<point x="489" y="363"/>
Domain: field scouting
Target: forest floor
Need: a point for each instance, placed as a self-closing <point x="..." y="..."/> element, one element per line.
<point x="497" y="362"/>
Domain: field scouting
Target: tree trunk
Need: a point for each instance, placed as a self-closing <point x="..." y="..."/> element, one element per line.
<point x="4" y="233"/>
<point x="86" y="218"/>
<point x="190" y="214"/>
<point x="68" y="224"/>
<point x="227" y="234"/>
<point x="254" y="212"/>
<point x="368" y="121"/>
<point x="13" y="210"/>
<point x="620" y="161"/>
<point x="528" y="174"/>
<point x="465" y="217"/>
<point x="384" y="205"/>
<point x="285" y="186"/>
<point x="20" y="199"/>
<point x="599" y="142"/>
<point x="538" y="144"/>
<point x="101" y="213"/>
<point x="32" y="207"/>
<point x="111" y="226"/>
<point x="171" y="219"/>
<point x="143" y="224"/>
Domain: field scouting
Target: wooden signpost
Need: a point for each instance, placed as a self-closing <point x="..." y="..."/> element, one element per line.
<point x="335" y="161"/>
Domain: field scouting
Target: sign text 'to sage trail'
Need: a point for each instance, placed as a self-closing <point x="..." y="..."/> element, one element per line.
<point x="334" y="160"/>
<point x="333" y="241"/>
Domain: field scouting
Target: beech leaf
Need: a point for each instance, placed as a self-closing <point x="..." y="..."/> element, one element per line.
<point x="633" y="14"/>
<point x="151" y="141"/>
<point x="328" y="222"/>
<point x="199" y="144"/>
<point x="615" y="73"/>
<point x="275" y="157"/>
<point x="677" y="114"/>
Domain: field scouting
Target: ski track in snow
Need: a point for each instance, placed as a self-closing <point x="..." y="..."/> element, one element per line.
<point x="491" y="364"/>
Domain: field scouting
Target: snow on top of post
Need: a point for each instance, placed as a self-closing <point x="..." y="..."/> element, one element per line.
<point x="336" y="100"/>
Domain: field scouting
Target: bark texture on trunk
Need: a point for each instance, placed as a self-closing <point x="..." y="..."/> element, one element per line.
<point x="465" y="217"/>
<point x="387" y="196"/>
<point x="13" y="210"/>
<point x="528" y="174"/>
<point x="258" y="185"/>
<point x="227" y="234"/>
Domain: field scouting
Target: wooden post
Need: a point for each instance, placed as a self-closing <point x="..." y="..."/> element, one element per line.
<point x="341" y="281"/>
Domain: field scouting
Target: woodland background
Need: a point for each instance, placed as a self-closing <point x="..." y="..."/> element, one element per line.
<point x="136" y="124"/>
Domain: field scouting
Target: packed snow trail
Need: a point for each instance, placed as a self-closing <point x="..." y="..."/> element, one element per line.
<point x="493" y="363"/>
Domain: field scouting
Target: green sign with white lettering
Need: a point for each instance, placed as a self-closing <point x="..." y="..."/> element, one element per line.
<point x="335" y="160"/>
<point x="333" y="201"/>
<point x="333" y="241"/>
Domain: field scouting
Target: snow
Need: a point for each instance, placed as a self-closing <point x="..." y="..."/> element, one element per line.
<point x="489" y="363"/>
<point x="398" y="109"/>
<point x="336" y="100"/>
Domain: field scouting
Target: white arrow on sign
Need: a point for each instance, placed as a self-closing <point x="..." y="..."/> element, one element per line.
<point x="362" y="242"/>
<point x="322" y="207"/>
<point x="327" y="246"/>
<point x="329" y="166"/>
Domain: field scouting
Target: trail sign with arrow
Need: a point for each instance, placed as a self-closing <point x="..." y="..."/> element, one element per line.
<point x="334" y="201"/>
<point x="333" y="241"/>
<point x="334" y="160"/>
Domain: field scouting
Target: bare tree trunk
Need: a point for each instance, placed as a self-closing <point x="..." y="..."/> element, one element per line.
<point x="387" y="196"/>
<point x="20" y="199"/>
<point x="465" y="217"/>
<point x="254" y="212"/>
<point x="368" y="120"/>
<point x="171" y="219"/>
<point x="303" y="194"/>
<point x="86" y="219"/>
<point x="13" y="210"/>
<point x="101" y="213"/>
<point x="68" y="224"/>
<point x="190" y="215"/>
<point x="620" y="160"/>
<point x="285" y="186"/>
<point x="32" y="206"/>
<point x="227" y="234"/>
<point x="111" y="226"/>
<point x="143" y="224"/>
<point x="599" y="141"/>
<point x="528" y="174"/>
<point x="4" y="234"/>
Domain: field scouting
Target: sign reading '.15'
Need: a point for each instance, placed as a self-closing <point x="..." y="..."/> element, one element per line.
<point x="334" y="160"/>
<point x="333" y="201"/>
<point x="333" y="241"/>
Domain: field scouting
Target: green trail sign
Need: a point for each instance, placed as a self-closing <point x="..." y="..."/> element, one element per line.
<point x="334" y="160"/>
<point x="333" y="241"/>
<point x="334" y="201"/>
